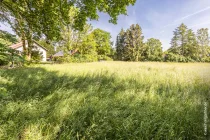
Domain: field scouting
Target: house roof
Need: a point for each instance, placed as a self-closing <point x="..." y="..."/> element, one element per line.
<point x="20" y="44"/>
<point x="40" y="45"/>
<point x="16" y="46"/>
<point x="60" y="53"/>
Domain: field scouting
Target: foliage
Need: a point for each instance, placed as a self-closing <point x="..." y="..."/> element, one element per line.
<point x="171" y="57"/>
<point x="134" y="46"/>
<point x="50" y="48"/>
<point x="77" y="58"/>
<point x="130" y="45"/>
<point x="191" y="47"/>
<point x="109" y="100"/>
<point x="205" y="59"/>
<point x="103" y="43"/>
<point x="153" y="50"/>
<point x="3" y="55"/>
<point x="8" y="55"/>
<point x="40" y="16"/>
<point x="179" y="40"/>
<point x="71" y="38"/>
<point x="203" y="41"/>
<point x="104" y="57"/>
<point x="120" y="45"/>
<point x="36" y="56"/>
<point x="88" y="45"/>
<point x="35" y="19"/>
<point x="6" y="38"/>
<point x="187" y="46"/>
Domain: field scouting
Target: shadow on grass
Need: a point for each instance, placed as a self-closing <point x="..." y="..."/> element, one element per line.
<point x="26" y="83"/>
<point x="41" y="104"/>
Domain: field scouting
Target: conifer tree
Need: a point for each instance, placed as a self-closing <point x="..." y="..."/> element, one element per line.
<point x="203" y="41"/>
<point x="120" y="45"/>
<point x="134" y="45"/>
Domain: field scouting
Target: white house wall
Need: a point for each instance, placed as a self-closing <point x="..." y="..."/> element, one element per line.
<point x="20" y="49"/>
<point x="43" y="51"/>
<point x="38" y="48"/>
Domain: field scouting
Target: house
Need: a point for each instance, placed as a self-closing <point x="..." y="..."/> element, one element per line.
<point x="37" y="47"/>
<point x="61" y="54"/>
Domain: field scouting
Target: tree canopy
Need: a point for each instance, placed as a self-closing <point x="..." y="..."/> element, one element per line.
<point x="153" y="50"/>
<point x="35" y="19"/>
<point x="7" y="38"/>
<point x="47" y="17"/>
<point x="103" y="43"/>
<point x="7" y="54"/>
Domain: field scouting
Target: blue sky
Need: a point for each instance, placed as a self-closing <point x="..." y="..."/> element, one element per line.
<point x="158" y="18"/>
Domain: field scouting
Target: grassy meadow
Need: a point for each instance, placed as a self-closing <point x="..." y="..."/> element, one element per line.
<point x="104" y="101"/>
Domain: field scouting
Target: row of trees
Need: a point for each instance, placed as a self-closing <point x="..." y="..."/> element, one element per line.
<point x="130" y="46"/>
<point x="186" y="46"/>
<point x="64" y="24"/>
<point x="92" y="45"/>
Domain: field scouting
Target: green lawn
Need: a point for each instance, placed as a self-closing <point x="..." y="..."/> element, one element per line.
<point x="104" y="100"/>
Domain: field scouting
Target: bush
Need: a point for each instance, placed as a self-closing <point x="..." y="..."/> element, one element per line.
<point x="83" y="58"/>
<point x="3" y="55"/>
<point x="205" y="59"/>
<point x="170" y="57"/>
<point x="153" y="58"/>
<point x="3" y="60"/>
<point x="89" y="58"/>
<point x="36" y="56"/>
<point x="8" y="55"/>
<point x="77" y="59"/>
<point x="104" y="57"/>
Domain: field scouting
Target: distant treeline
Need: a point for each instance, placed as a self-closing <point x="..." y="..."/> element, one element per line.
<point x="186" y="46"/>
<point x="95" y="45"/>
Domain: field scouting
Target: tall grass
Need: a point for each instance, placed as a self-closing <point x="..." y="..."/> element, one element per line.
<point x="104" y="100"/>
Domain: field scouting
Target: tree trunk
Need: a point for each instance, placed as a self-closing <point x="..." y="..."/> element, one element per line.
<point x="24" y="44"/>
<point x="30" y="44"/>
